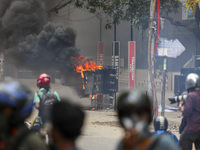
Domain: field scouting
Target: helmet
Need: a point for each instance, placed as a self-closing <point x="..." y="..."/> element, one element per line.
<point x="43" y="79"/>
<point x="134" y="102"/>
<point x="160" y="123"/>
<point x="192" y="81"/>
<point x="16" y="95"/>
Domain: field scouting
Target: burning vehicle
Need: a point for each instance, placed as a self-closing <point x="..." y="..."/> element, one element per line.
<point x="91" y="80"/>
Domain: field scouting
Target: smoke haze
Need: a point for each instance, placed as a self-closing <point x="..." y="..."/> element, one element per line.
<point x="52" y="48"/>
<point x="19" y="18"/>
<point x="25" y="39"/>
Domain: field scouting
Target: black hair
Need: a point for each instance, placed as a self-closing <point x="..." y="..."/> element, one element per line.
<point x="47" y="87"/>
<point x="68" y="118"/>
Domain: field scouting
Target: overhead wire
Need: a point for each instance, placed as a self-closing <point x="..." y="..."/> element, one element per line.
<point x="70" y="12"/>
<point x="76" y="20"/>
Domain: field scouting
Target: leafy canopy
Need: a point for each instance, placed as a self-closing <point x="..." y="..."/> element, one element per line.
<point x="192" y="4"/>
<point x="123" y="10"/>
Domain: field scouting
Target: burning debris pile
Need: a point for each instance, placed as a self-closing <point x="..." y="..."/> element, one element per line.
<point x="85" y="64"/>
<point x="99" y="83"/>
<point x="80" y="65"/>
<point x="95" y="80"/>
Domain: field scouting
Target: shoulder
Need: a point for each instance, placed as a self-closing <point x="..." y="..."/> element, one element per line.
<point x="41" y="91"/>
<point x="119" y="145"/>
<point x="193" y="94"/>
<point x="165" y="142"/>
<point x="32" y="142"/>
<point x="57" y="95"/>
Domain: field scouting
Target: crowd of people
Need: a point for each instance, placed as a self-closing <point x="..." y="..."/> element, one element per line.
<point x="63" y="120"/>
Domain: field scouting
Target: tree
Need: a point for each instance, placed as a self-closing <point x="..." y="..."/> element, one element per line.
<point x="122" y="10"/>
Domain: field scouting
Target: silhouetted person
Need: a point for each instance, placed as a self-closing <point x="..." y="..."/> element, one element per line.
<point x="191" y="112"/>
<point x="16" y="104"/>
<point x="67" y="121"/>
<point x="160" y="124"/>
<point x="134" y="110"/>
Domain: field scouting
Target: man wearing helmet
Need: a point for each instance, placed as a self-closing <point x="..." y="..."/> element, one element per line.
<point x="161" y="125"/>
<point x="16" y="103"/>
<point x="134" y="110"/>
<point x="191" y="111"/>
<point x="43" y="83"/>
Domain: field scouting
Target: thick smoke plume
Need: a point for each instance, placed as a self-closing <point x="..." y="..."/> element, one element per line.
<point x="19" y="18"/>
<point x="28" y="41"/>
<point x="52" y="48"/>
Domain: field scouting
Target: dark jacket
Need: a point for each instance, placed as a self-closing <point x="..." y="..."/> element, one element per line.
<point x="192" y="112"/>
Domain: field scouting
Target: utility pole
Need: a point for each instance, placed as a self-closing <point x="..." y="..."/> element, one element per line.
<point x="163" y="89"/>
<point x="2" y="67"/>
<point x="131" y="27"/>
<point x="151" y="40"/>
<point x="99" y="16"/>
<point x="115" y="39"/>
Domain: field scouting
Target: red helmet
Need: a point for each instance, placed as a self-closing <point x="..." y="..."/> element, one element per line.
<point x="43" y="79"/>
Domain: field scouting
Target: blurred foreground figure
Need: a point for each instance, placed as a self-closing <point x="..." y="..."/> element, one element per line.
<point x="191" y="114"/>
<point x="67" y="121"/>
<point x="161" y="125"/>
<point x="16" y="103"/>
<point x="134" y="110"/>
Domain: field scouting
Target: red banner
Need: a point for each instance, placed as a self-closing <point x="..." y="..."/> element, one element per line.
<point x="131" y="64"/>
<point x="100" y="54"/>
<point x="158" y="25"/>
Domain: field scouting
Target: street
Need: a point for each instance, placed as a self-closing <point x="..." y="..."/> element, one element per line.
<point x="101" y="129"/>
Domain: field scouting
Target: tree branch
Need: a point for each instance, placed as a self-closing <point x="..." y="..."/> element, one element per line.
<point x="60" y="6"/>
<point x="194" y="30"/>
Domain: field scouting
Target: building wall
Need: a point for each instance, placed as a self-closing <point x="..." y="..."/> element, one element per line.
<point x="87" y="27"/>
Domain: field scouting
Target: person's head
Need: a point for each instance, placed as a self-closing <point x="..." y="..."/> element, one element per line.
<point x="160" y="123"/>
<point x="134" y="110"/>
<point x="16" y="104"/>
<point x="192" y="82"/>
<point x="67" y="121"/>
<point x="43" y="80"/>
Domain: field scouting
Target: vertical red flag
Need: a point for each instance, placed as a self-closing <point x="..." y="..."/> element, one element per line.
<point x="100" y="54"/>
<point x="158" y="25"/>
<point x="131" y="64"/>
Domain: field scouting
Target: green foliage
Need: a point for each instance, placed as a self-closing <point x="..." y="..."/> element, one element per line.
<point x="122" y="10"/>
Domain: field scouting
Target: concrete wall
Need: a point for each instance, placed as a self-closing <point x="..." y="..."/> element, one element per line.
<point x="142" y="79"/>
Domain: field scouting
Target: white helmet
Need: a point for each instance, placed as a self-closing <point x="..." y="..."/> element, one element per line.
<point x="192" y="81"/>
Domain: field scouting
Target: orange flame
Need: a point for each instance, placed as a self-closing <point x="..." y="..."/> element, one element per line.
<point x="85" y="64"/>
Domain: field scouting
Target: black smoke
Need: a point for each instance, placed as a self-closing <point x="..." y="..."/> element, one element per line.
<point x="19" y="18"/>
<point x="28" y="41"/>
<point x="52" y="48"/>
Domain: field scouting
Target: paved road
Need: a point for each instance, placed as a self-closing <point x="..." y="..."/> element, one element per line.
<point x="101" y="130"/>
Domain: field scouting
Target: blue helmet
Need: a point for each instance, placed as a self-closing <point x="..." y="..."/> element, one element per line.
<point x="17" y="96"/>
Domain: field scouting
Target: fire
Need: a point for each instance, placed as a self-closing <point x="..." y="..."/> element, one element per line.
<point x="84" y="64"/>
